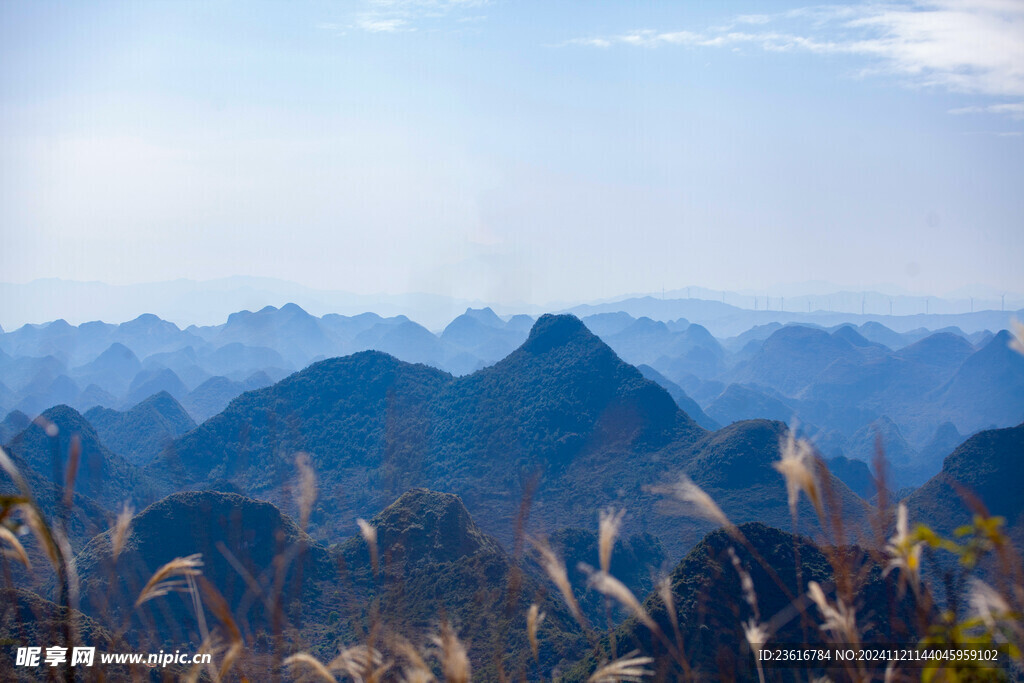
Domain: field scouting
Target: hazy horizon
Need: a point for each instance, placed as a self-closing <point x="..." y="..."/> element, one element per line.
<point x="187" y="302"/>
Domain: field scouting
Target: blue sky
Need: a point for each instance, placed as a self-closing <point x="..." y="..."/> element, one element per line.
<point x="515" y="151"/>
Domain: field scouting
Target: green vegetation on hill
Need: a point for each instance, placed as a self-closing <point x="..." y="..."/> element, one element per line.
<point x="139" y="434"/>
<point x="27" y="620"/>
<point x="104" y="476"/>
<point x="238" y="538"/>
<point x="562" y="406"/>
<point x="988" y="468"/>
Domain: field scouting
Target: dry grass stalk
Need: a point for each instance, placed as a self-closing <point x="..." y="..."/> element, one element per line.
<point x="119" y="533"/>
<point x="609" y="525"/>
<point x="611" y="587"/>
<point x="453" y="657"/>
<point x="628" y="668"/>
<point x="664" y="588"/>
<point x="12" y="471"/>
<point x="756" y="635"/>
<point x="33" y="519"/>
<point x="904" y="553"/>
<point x="746" y="582"/>
<point x="16" y="550"/>
<point x="219" y="606"/>
<point x="417" y="670"/>
<point x="42" y="533"/>
<point x="168" y="577"/>
<point x="555" y="569"/>
<point x="702" y="505"/>
<point x="1017" y="336"/>
<point x="50" y="428"/>
<point x="369" y="534"/>
<point x="361" y="663"/>
<point x="534" y="617"/>
<point x="70" y="569"/>
<point x="988" y="604"/>
<point x="314" y="665"/>
<point x="74" y="459"/>
<point x="840" y="619"/>
<point x="796" y="467"/>
<point x="307" y="488"/>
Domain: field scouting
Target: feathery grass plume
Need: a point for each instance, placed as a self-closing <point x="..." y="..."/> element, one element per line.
<point x="987" y="603"/>
<point x="361" y="663"/>
<point x="417" y="670"/>
<point x="33" y="519"/>
<point x="797" y="469"/>
<point x="756" y="635"/>
<point x="609" y="525"/>
<point x="555" y="569"/>
<point x="307" y="488"/>
<point x="609" y="586"/>
<point x="840" y="620"/>
<point x="1017" y="336"/>
<point x="219" y="606"/>
<point x="904" y="552"/>
<point x="628" y="668"/>
<point x="169" y="577"/>
<point x="314" y="665"/>
<point x="664" y="588"/>
<point x="453" y="657"/>
<point x="703" y="505"/>
<point x="16" y="550"/>
<point x="12" y="471"/>
<point x="746" y="582"/>
<point x="119" y="534"/>
<point x="534" y="617"/>
<point x="417" y="676"/>
<point x="50" y="428"/>
<point x="369" y="533"/>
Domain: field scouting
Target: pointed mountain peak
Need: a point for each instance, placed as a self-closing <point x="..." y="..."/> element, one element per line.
<point x="193" y="510"/>
<point x="484" y="315"/>
<point x="162" y="402"/>
<point x="425" y="526"/>
<point x="293" y="309"/>
<point x="551" y="331"/>
<point x="850" y="334"/>
<point x="117" y="350"/>
<point x="66" y="419"/>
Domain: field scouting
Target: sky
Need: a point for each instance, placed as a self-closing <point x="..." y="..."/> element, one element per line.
<point x="515" y="151"/>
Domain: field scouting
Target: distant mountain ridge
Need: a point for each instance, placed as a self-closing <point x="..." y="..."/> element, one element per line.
<point x="836" y="382"/>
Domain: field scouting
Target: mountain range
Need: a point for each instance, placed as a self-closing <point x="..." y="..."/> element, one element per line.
<point x="842" y="384"/>
<point x="536" y="443"/>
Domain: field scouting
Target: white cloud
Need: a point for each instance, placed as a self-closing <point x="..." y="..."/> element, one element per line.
<point x="955" y="45"/>
<point x="1014" y="109"/>
<point x="393" y="16"/>
<point x="372" y="24"/>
